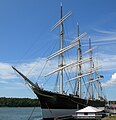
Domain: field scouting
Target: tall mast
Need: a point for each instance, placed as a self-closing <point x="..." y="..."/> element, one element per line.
<point x="61" y="50"/>
<point x="79" y="59"/>
<point x="61" y="47"/>
<point x="90" y="76"/>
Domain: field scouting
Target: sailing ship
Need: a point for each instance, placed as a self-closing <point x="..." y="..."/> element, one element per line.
<point x="62" y="103"/>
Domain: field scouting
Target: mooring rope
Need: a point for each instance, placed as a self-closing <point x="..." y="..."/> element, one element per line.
<point x="50" y="111"/>
<point x="31" y="114"/>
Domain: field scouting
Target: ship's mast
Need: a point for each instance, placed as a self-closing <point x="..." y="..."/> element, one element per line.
<point x="79" y="59"/>
<point x="61" y="47"/>
<point x="90" y="76"/>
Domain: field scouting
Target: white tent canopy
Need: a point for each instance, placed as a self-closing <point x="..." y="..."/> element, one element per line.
<point x="89" y="109"/>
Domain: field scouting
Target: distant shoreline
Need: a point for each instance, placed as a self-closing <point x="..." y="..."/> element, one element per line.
<point x="18" y="102"/>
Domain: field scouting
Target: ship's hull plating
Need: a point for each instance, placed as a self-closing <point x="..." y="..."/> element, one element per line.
<point x="57" y="105"/>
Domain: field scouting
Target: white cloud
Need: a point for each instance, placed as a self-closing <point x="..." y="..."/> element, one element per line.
<point x="3" y="82"/>
<point x="6" y="71"/>
<point x="111" y="82"/>
<point x="104" y="35"/>
<point x="12" y="85"/>
<point x="35" y="68"/>
<point x="107" y="61"/>
<point x="32" y="69"/>
<point x="111" y="32"/>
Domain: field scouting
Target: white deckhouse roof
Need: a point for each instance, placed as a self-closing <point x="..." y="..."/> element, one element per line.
<point x="89" y="109"/>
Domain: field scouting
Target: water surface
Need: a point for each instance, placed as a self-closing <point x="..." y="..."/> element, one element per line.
<point x="20" y="113"/>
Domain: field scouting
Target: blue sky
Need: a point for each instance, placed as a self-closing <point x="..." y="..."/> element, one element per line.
<point x="25" y="38"/>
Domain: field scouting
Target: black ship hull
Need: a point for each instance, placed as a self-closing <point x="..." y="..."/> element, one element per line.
<point x="56" y="105"/>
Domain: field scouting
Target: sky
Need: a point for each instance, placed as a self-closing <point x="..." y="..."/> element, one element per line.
<point x="26" y="39"/>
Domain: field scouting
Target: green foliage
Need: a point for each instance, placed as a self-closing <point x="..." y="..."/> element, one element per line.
<point x="109" y="118"/>
<point x="18" y="102"/>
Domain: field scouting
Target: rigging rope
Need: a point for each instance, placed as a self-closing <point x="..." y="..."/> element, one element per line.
<point x="46" y="64"/>
<point x="31" y="113"/>
<point x="55" y="88"/>
<point x="41" y="71"/>
<point x="69" y="81"/>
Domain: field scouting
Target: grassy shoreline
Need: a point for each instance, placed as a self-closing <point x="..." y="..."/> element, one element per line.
<point x="109" y="118"/>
